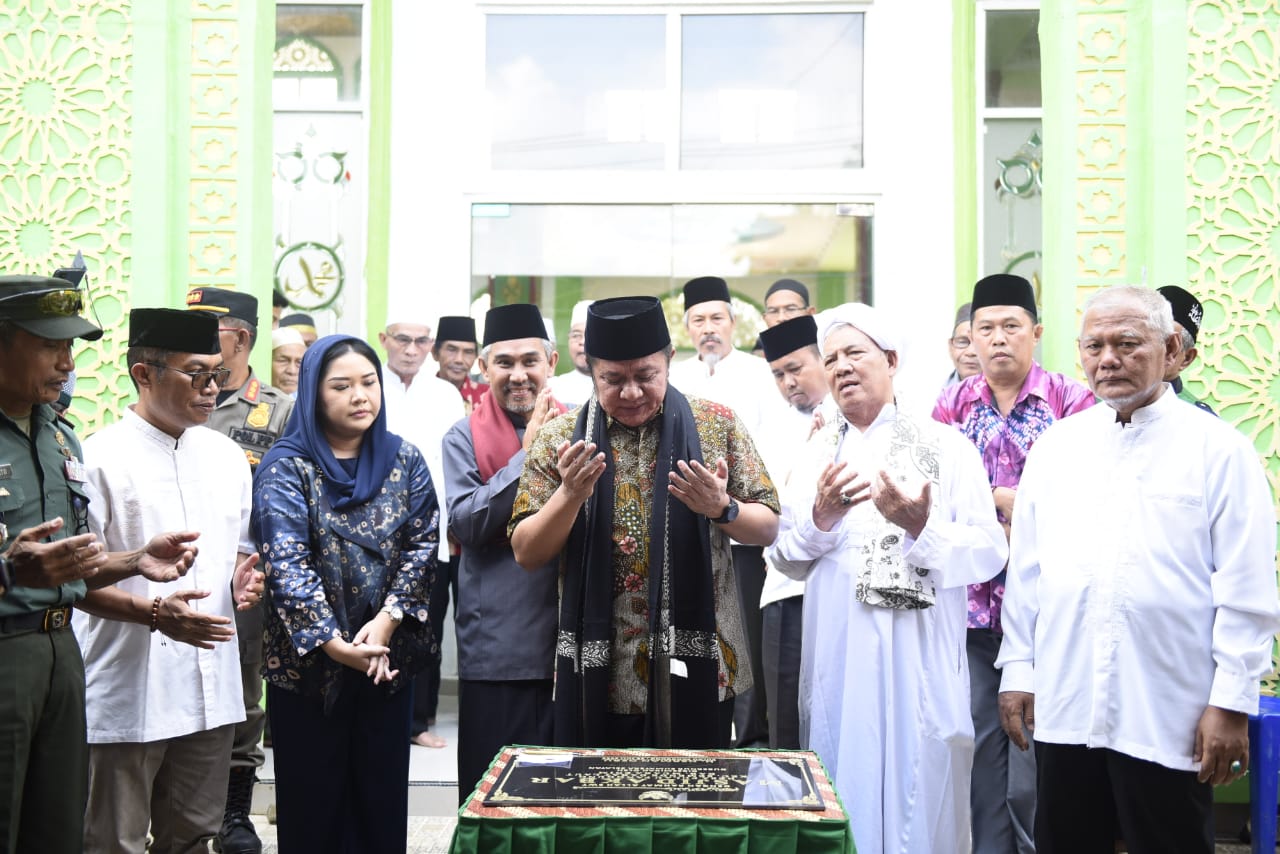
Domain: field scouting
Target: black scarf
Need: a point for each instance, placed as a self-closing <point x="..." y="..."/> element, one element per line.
<point x="682" y="710"/>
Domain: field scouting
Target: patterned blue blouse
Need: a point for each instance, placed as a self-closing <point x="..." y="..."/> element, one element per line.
<point x="329" y="572"/>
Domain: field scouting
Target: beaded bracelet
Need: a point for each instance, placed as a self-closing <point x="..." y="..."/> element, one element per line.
<point x="155" y="613"/>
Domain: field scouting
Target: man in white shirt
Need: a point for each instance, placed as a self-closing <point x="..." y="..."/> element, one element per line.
<point x="1140" y="606"/>
<point x="163" y="688"/>
<point x="421" y="407"/>
<point x="574" y="388"/>
<point x="888" y="517"/>
<point x="723" y="374"/>
<point x="791" y="348"/>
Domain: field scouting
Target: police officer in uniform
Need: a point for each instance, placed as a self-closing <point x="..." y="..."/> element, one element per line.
<point x="253" y="414"/>
<point x="48" y="555"/>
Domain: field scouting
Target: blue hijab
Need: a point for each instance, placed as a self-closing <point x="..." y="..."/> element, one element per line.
<point x="304" y="437"/>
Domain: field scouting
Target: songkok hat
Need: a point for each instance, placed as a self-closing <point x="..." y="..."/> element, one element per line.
<point x="788" y="285"/>
<point x="580" y="312"/>
<point x="454" y="328"/>
<point x="278" y="299"/>
<point x="704" y="289"/>
<point x="174" y="329"/>
<point x="225" y="302"/>
<point x="1004" y="289"/>
<point x="299" y="321"/>
<point x="513" y="322"/>
<point x="626" y="328"/>
<point x="789" y="336"/>
<point x="862" y="317"/>
<point x="46" y="307"/>
<point x="285" y="336"/>
<point x="964" y="314"/>
<point x="1188" y="312"/>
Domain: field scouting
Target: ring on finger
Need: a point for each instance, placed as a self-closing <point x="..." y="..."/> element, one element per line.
<point x="846" y="499"/>
<point x="1236" y="765"/>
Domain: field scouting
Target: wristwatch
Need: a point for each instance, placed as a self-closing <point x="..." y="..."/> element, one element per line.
<point x="730" y="513"/>
<point x="394" y="612"/>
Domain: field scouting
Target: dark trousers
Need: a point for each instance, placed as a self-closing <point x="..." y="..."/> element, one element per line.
<point x="426" y="685"/>
<point x="342" y="779"/>
<point x="246" y="746"/>
<point x="494" y="714"/>
<point x="750" y="713"/>
<point x="628" y="730"/>
<point x="1088" y="794"/>
<point x="782" y="626"/>
<point x="44" y="758"/>
<point x="1002" y="793"/>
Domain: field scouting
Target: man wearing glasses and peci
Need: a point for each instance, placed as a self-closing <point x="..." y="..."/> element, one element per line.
<point x="785" y="299"/>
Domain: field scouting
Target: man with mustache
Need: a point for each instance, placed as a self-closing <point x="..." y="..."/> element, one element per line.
<point x="635" y="497"/>
<point x="162" y="715"/>
<point x="455" y="353"/>
<point x="723" y="374"/>
<point x="1002" y="410"/>
<point x="1141" y="606"/>
<point x="505" y="617"/>
<point x="49" y="559"/>
<point x="254" y="415"/>
<point x="791" y="348"/>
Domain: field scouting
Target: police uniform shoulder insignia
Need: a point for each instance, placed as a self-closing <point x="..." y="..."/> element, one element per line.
<point x="252" y="390"/>
<point x="259" y="417"/>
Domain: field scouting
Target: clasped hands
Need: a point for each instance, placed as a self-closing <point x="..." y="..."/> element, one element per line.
<point x="840" y="489"/>
<point x="369" y="651"/>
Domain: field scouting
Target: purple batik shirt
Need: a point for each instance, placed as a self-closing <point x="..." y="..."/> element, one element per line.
<point x="1004" y="443"/>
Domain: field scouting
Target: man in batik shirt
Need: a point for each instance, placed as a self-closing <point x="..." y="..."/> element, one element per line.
<point x="1002" y="410"/>
<point x="638" y="494"/>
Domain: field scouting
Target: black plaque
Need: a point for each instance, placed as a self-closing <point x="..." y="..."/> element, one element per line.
<point x="639" y="779"/>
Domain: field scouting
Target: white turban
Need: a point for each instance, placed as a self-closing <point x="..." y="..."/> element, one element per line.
<point x="284" y="336"/>
<point x="862" y="317"/>
<point x="579" y="316"/>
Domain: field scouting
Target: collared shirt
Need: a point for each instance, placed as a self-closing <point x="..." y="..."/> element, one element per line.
<point x="505" y="616"/>
<point x="422" y="413"/>
<point x="254" y="417"/>
<point x="1004" y="442"/>
<point x="36" y="484"/>
<point x="635" y="451"/>
<point x="788" y="439"/>
<point x="1142" y="582"/>
<point x="141" y="685"/>
<point x="1184" y="393"/>
<point x="742" y="382"/>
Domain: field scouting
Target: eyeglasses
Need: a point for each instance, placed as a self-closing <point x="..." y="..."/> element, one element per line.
<point x="783" y="310"/>
<point x="199" y="379"/>
<point x="422" y="341"/>
<point x="960" y="343"/>
<point x="60" y="303"/>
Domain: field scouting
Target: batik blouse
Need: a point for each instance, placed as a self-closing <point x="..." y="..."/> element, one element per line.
<point x="329" y="572"/>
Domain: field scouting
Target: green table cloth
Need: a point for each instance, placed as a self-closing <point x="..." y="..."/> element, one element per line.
<point x="509" y="826"/>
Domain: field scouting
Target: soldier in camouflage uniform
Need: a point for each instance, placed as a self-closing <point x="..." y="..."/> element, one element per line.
<point x="253" y="414"/>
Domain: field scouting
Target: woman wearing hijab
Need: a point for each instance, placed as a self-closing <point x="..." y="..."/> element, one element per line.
<point x="345" y="518"/>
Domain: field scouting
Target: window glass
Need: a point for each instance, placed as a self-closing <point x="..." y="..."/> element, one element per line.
<point x="1013" y="58"/>
<point x="576" y="91"/>
<point x="555" y="255"/>
<point x="771" y="91"/>
<point x="317" y="55"/>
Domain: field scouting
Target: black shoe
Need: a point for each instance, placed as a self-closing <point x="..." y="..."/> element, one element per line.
<point x="238" y="835"/>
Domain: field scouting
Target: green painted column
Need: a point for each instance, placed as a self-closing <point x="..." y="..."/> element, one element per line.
<point x="378" y="241"/>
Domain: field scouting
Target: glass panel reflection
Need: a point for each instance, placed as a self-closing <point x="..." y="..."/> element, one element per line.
<point x="1013" y="58"/>
<point x="317" y="55"/>
<point x="771" y="91"/>
<point x="576" y="91"/>
<point x="555" y="255"/>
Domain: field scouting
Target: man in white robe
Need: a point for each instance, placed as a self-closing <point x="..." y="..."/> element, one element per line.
<point x="1140" y="607"/>
<point x="888" y="517"/>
